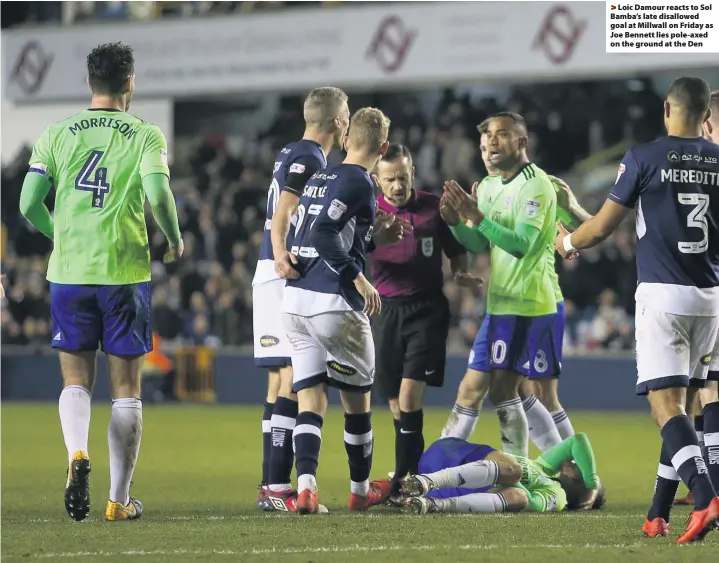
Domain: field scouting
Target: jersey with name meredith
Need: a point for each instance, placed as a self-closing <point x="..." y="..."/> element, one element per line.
<point x="674" y="185"/>
<point x="294" y="165"/>
<point x="334" y="226"/>
<point x="96" y="161"/>
<point x="521" y="286"/>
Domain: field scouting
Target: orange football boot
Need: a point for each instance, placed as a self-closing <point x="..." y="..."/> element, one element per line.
<point x="701" y="523"/>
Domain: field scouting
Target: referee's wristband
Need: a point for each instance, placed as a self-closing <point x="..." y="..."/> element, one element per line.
<point x="567" y="244"/>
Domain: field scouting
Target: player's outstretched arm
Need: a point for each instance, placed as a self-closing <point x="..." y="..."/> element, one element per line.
<point x="569" y="211"/>
<point x="575" y="448"/>
<point x="162" y="202"/>
<point x="593" y="231"/>
<point x="35" y="188"/>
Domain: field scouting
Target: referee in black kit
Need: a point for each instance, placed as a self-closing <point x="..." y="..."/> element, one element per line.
<point x="410" y="333"/>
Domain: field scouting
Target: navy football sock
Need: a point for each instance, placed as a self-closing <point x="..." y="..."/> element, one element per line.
<point x="281" y="456"/>
<point x="266" y="441"/>
<point x="307" y="438"/>
<point x="711" y="442"/>
<point x="683" y="447"/>
<point x="665" y="488"/>
<point x="358" y="444"/>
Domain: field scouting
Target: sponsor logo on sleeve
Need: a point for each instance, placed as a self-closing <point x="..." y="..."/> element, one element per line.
<point x="336" y="209"/>
<point x="531" y="208"/>
<point x="297" y="168"/>
<point x="622" y="168"/>
<point x="427" y="246"/>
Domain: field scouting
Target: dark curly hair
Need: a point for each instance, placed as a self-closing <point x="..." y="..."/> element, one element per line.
<point x="109" y="66"/>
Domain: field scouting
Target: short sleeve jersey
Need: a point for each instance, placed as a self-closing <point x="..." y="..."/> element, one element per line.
<point x="96" y="161"/>
<point x="335" y="218"/>
<point x="294" y="165"/>
<point x="521" y="286"/>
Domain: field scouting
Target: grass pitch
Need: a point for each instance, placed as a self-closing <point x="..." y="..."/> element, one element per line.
<point x="197" y="477"/>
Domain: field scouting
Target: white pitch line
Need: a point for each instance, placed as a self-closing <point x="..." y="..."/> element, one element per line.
<point x="330" y="549"/>
<point x="209" y="517"/>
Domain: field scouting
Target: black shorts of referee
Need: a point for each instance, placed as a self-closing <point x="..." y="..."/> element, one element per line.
<point x="410" y="336"/>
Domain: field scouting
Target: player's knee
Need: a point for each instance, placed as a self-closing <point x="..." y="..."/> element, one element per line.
<point x="510" y="472"/>
<point x="394" y="408"/>
<point x="273" y="385"/>
<point x="355" y="402"/>
<point x="285" y="383"/>
<point x="313" y="399"/>
<point x="410" y="395"/>
<point x="666" y="404"/>
<point x="504" y="386"/>
<point x="516" y="498"/>
<point x="710" y="394"/>
<point x="473" y="389"/>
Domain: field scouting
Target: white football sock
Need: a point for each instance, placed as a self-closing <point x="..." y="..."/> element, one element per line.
<point x="542" y="429"/>
<point x="513" y="427"/>
<point x="461" y="423"/>
<point x="74" y="407"/>
<point x="306" y="482"/>
<point x="564" y="425"/>
<point x="476" y="502"/>
<point x="470" y="475"/>
<point x="123" y="437"/>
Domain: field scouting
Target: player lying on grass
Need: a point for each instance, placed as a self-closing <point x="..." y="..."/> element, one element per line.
<point x="458" y="476"/>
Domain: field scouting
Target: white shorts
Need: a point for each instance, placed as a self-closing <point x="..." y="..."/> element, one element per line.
<point x="334" y="348"/>
<point x="672" y="349"/>
<point x="272" y="349"/>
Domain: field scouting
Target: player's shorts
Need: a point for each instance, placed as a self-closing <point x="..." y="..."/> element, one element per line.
<point x="272" y="349"/>
<point x="452" y="452"/>
<point x="559" y="321"/>
<point x="526" y="345"/>
<point x="410" y="338"/>
<point x="335" y="348"/>
<point x="672" y="349"/>
<point x="115" y="318"/>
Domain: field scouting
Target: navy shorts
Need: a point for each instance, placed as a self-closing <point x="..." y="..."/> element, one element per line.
<point x="527" y="345"/>
<point x="115" y="318"/>
<point x="452" y="452"/>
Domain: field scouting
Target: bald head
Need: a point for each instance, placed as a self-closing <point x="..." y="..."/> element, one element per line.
<point x="689" y="96"/>
<point x="323" y="105"/>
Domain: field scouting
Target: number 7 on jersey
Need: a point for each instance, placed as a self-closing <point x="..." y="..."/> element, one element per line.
<point x="98" y="186"/>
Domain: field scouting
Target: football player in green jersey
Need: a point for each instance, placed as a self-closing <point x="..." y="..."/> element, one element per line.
<point x="458" y="476"/>
<point x="513" y="218"/>
<point x="104" y="164"/>
<point x="548" y="423"/>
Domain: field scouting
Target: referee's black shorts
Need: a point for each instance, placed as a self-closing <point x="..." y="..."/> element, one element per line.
<point x="410" y="336"/>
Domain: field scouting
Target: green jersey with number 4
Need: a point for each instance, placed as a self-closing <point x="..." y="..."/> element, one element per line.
<point x="96" y="160"/>
<point x="521" y="286"/>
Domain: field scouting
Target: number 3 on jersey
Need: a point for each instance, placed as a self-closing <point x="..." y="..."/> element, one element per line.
<point x="697" y="218"/>
<point x="97" y="185"/>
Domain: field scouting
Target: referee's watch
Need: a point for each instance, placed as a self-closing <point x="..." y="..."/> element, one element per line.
<point x="567" y="244"/>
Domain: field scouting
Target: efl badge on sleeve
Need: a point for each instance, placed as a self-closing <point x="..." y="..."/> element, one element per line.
<point x="336" y="209"/>
<point x="532" y="208"/>
<point x="428" y="246"/>
<point x="622" y="168"/>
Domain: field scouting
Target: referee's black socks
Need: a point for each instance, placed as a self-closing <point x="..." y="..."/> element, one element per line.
<point x="711" y="442"/>
<point x="682" y="445"/>
<point x="409" y="443"/>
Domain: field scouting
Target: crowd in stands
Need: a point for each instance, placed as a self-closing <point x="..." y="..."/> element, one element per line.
<point x="206" y="298"/>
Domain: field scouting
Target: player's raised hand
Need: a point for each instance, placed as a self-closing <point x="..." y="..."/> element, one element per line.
<point x="465" y="279"/>
<point x="559" y="243"/>
<point x="565" y="196"/>
<point x="462" y="202"/>
<point x="174" y="252"/>
<point x="447" y="212"/>
<point x="285" y="266"/>
<point x="389" y="229"/>
<point x="474" y="190"/>
<point x="372" y="302"/>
